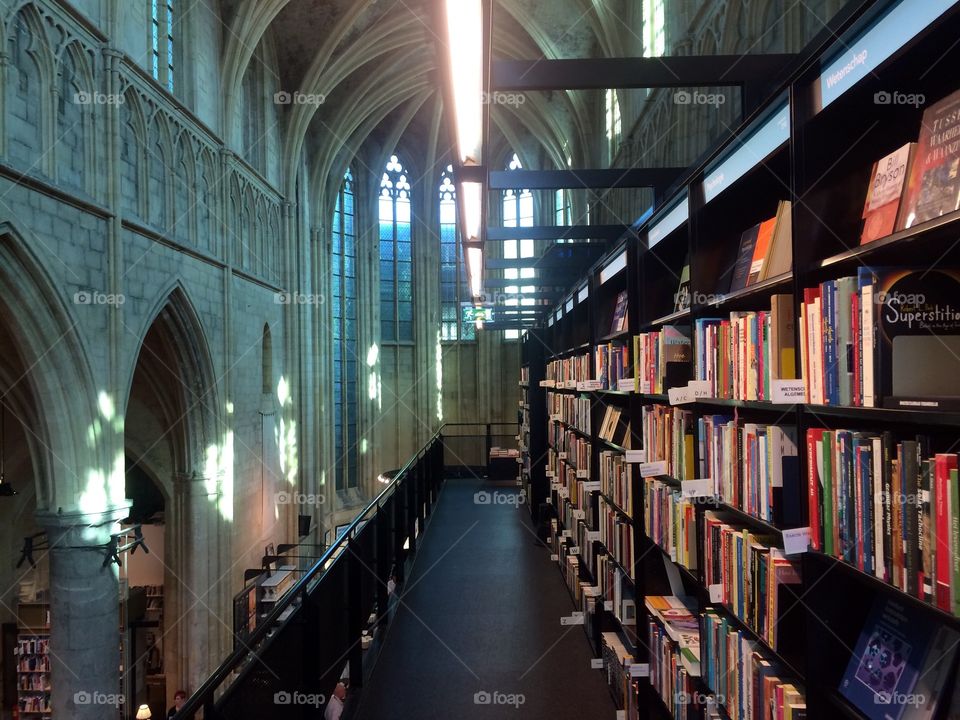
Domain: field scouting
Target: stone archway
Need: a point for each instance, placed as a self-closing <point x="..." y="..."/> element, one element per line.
<point x="47" y="380"/>
<point x="173" y="426"/>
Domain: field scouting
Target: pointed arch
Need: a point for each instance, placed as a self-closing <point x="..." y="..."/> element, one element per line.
<point x="60" y="381"/>
<point x="185" y="358"/>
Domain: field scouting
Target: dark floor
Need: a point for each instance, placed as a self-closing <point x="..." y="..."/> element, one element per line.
<point x="481" y="613"/>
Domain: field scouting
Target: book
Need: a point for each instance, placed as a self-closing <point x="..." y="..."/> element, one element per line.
<point x="681" y="301"/>
<point x="933" y="187"/>
<point x="761" y="250"/>
<point x="882" y="206"/>
<point x="918" y="337"/>
<point x="883" y="670"/>
<point x="744" y="262"/>
<point x="780" y="258"/>
<point x="619" y="323"/>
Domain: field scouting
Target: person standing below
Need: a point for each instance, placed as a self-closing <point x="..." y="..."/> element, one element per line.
<point x="179" y="698"/>
<point x="335" y="705"/>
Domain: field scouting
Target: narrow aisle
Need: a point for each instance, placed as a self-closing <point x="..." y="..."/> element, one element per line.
<point x="480" y="620"/>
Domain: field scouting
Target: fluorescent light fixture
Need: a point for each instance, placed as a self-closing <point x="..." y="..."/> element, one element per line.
<point x="465" y="43"/>
<point x="475" y="270"/>
<point x="613" y="267"/>
<point x="472" y="194"/>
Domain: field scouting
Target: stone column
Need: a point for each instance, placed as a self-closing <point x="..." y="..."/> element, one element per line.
<point x="193" y="604"/>
<point x="84" y="614"/>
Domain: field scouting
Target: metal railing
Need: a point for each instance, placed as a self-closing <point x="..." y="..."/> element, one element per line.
<point x="295" y="657"/>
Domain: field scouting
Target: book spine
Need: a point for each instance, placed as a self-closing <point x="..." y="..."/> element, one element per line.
<point x="941" y="498"/>
<point x="813" y="491"/>
<point x="954" y="486"/>
<point x="888" y="524"/>
<point x="908" y="458"/>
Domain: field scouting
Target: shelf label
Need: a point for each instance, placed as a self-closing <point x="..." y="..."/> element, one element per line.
<point x="570" y="385"/>
<point x="716" y="593"/>
<point x="608" y="605"/>
<point x="562" y="456"/>
<point x="700" y="389"/>
<point x="590" y="385"/>
<point x="555" y="558"/>
<point x="575" y="550"/>
<point x="596" y="663"/>
<point x="579" y="514"/>
<point x="621" y="715"/>
<point x="565" y="534"/>
<point x="680" y="395"/>
<point x="555" y="418"/>
<point x="696" y="488"/>
<point x="653" y="469"/>
<point x="550" y="473"/>
<point x="574" y="619"/>
<point x="564" y="492"/>
<point x="639" y="670"/>
<point x="796" y="541"/>
<point x="863" y="55"/>
<point x="636" y="456"/>
<point x="626" y="384"/>
<point x="548" y="383"/>
<point x="583" y="473"/>
<point x="788" y="392"/>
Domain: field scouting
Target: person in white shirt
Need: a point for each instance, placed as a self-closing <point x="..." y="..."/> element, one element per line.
<point x="335" y="705"/>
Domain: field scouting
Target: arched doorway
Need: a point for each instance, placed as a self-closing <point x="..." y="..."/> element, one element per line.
<point x="59" y="420"/>
<point x="175" y="454"/>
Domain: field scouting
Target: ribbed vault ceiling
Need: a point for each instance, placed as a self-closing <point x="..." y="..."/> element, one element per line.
<point x="375" y="61"/>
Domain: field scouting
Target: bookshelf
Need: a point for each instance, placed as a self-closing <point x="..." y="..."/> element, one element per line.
<point x="33" y="661"/>
<point x="743" y="450"/>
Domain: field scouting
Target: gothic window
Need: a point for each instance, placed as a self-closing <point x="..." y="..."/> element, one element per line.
<point x="396" y="255"/>
<point x="161" y="42"/>
<point x="344" y="302"/>
<point x="517" y="212"/>
<point x="453" y="281"/>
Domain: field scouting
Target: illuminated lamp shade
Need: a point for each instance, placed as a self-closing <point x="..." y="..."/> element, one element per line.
<point x="143" y="713"/>
<point x="465" y="42"/>
<point x="475" y="270"/>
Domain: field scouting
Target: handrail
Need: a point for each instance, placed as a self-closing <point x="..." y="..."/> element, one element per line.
<point x="199" y="698"/>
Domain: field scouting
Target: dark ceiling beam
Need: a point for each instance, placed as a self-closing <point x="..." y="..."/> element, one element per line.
<point x="557" y="232"/>
<point x="603" y="73"/>
<point x="583" y="179"/>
